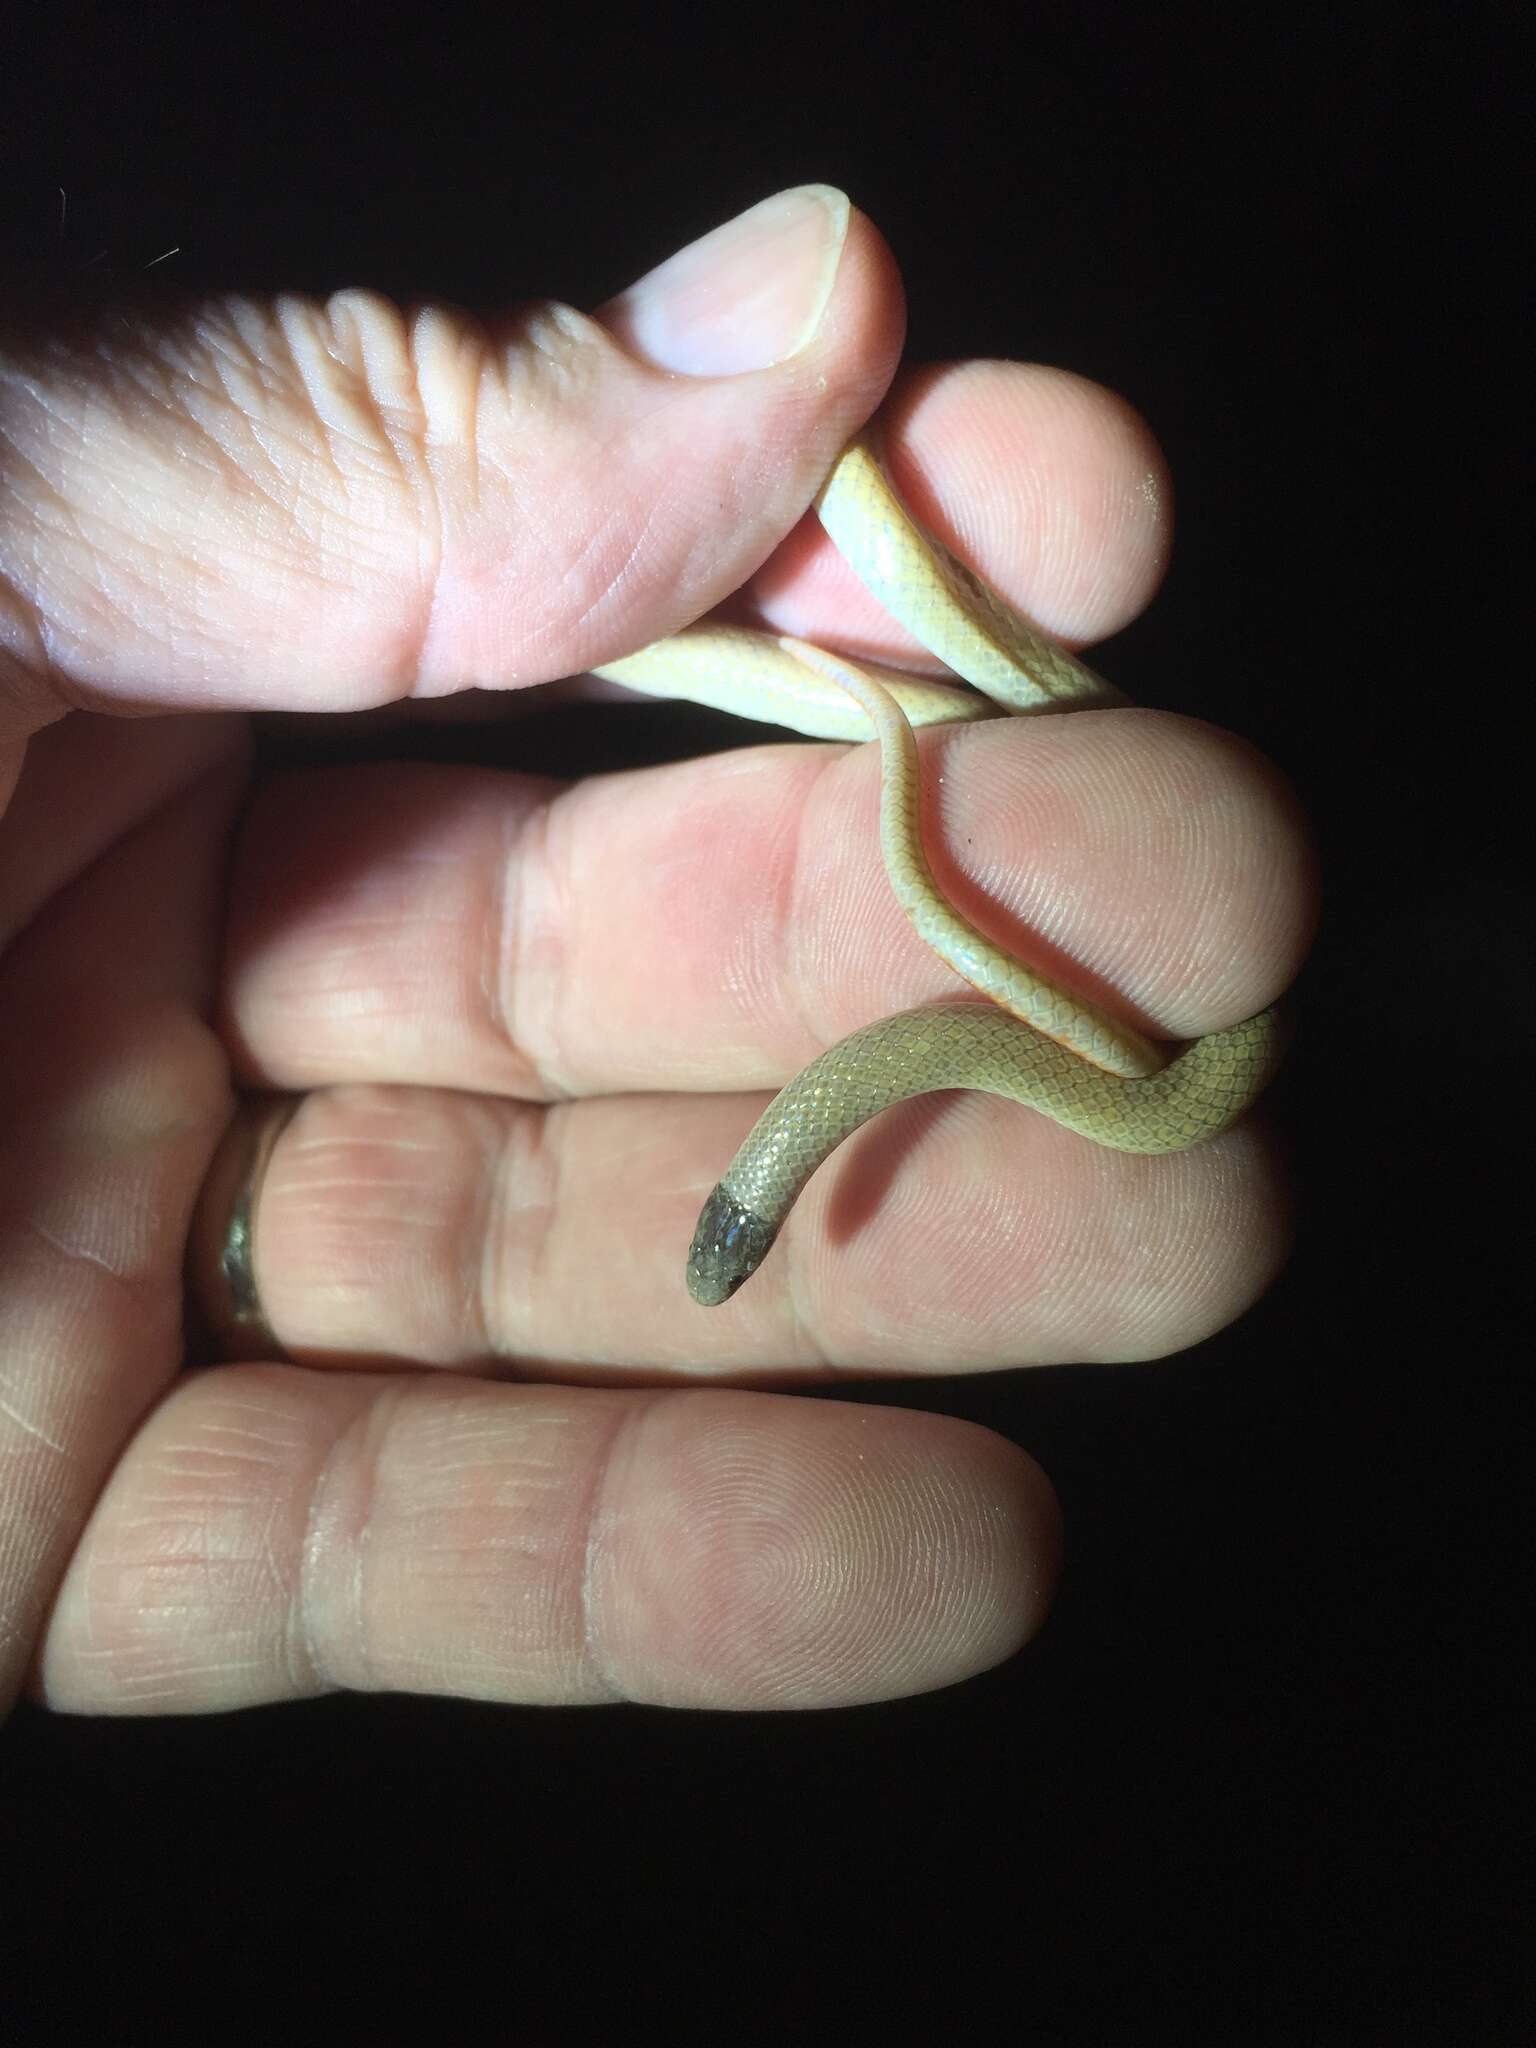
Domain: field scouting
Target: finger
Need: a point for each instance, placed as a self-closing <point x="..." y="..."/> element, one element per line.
<point x="957" y="1233"/>
<point x="716" y="923"/>
<point x="1049" y="486"/>
<point x="331" y="506"/>
<point x="85" y="783"/>
<point x="113" y="1092"/>
<point x="272" y="1534"/>
<point x="603" y="883"/>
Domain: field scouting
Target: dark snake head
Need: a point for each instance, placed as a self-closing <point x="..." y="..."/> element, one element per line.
<point x="728" y="1246"/>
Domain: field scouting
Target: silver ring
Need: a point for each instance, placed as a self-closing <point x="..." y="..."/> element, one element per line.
<point x="221" y="1268"/>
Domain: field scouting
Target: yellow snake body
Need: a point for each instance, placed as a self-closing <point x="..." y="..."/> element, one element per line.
<point x="1033" y="1043"/>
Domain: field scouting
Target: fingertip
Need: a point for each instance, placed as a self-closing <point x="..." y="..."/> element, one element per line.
<point x="800" y="272"/>
<point x="1046" y="482"/>
<point x="787" y="1554"/>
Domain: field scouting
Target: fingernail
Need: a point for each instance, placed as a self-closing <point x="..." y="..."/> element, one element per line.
<point x="743" y="296"/>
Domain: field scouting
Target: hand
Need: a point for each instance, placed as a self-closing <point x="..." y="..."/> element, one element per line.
<point x="528" y="1024"/>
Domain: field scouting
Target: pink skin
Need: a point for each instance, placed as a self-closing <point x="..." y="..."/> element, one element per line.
<point x="536" y="1019"/>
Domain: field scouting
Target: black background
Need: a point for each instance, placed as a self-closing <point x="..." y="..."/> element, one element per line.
<point x="1257" y="1780"/>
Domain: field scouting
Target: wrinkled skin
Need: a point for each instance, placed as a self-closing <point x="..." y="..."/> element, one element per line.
<point x="506" y="1455"/>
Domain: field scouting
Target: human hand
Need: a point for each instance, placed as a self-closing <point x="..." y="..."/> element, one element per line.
<point x="524" y="1021"/>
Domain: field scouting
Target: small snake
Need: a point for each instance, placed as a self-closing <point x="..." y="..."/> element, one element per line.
<point x="1033" y="1042"/>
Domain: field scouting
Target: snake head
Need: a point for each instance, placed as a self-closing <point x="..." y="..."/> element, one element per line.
<point x="728" y="1246"/>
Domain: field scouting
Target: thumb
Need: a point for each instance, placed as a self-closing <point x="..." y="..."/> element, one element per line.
<point x="290" y="504"/>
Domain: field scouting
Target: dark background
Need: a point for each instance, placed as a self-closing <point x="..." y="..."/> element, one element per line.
<point x="1258" y="1779"/>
